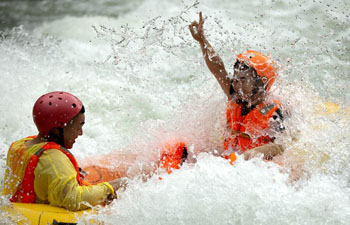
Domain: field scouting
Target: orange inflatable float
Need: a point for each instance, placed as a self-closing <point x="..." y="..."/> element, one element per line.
<point x="108" y="167"/>
<point x="113" y="166"/>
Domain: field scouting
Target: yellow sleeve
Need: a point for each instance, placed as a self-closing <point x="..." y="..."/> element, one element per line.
<point x="55" y="182"/>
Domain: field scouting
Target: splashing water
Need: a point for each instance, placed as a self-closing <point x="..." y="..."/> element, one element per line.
<point x="143" y="81"/>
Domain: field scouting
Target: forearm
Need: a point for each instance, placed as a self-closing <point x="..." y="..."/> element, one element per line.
<point x="268" y="150"/>
<point x="212" y="59"/>
<point x="67" y="193"/>
<point x="215" y="65"/>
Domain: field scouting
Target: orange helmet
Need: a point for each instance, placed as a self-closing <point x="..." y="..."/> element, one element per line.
<point x="263" y="65"/>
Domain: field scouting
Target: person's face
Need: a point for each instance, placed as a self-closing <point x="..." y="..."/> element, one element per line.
<point x="73" y="129"/>
<point x="244" y="81"/>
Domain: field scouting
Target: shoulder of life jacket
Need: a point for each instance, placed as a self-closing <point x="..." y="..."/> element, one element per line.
<point x="23" y="189"/>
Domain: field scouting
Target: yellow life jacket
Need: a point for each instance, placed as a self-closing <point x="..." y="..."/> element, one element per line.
<point x="22" y="161"/>
<point x="18" y="158"/>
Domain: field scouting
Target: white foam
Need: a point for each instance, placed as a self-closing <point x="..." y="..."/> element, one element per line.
<point x="154" y="86"/>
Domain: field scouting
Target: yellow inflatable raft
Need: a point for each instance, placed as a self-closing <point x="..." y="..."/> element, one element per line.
<point x="333" y="109"/>
<point x="43" y="214"/>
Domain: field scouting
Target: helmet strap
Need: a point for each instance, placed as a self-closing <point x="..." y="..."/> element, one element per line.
<point x="266" y="84"/>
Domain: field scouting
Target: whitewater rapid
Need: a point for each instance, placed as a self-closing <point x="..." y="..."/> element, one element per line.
<point x="143" y="81"/>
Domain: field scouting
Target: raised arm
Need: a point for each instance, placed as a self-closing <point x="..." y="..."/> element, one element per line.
<point x="212" y="59"/>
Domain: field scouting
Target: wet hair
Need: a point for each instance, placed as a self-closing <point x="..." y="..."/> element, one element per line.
<point x="243" y="66"/>
<point x="82" y="109"/>
<point x="59" y="138"/>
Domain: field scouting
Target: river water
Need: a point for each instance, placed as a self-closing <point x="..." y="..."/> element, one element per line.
<point x="143" y="81"/>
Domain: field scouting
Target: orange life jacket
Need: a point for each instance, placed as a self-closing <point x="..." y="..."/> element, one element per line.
<point x="251" y="129"/>
<point x="25" y="192"/>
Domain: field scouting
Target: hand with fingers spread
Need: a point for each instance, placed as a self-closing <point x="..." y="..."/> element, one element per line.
<point x="196" y="29"/>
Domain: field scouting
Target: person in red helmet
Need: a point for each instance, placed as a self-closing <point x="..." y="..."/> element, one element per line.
<point x="41" y="169"/>
<point x="251" y="118"/>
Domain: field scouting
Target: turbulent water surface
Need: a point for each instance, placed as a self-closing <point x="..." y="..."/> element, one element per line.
<point x="143" y="81"/>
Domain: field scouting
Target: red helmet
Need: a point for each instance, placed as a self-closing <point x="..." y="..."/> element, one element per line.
<point x="263" y="65"/>
<point x="55" y="109"/>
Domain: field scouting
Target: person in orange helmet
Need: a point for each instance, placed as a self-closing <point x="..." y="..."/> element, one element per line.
<point x="41" y="169"/>
<point x="251" y="118"/>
